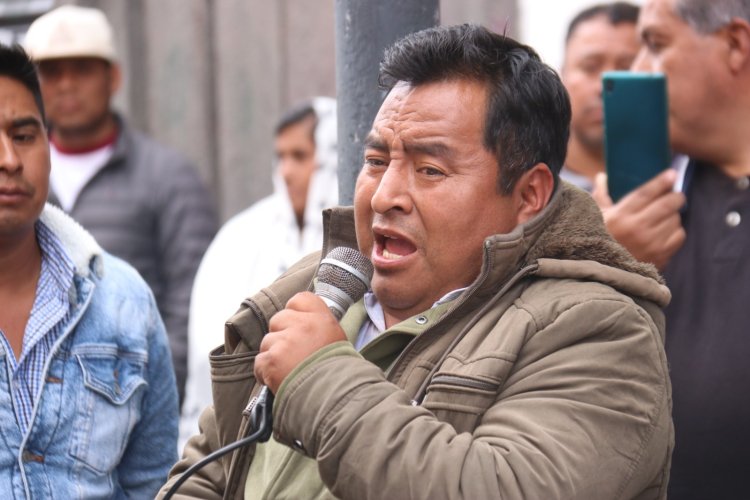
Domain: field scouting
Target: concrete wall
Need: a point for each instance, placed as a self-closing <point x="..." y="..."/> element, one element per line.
<point x="210" y="77"/>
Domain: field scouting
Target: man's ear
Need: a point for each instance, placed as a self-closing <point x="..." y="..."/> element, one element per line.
<point x="533" y="191"/>
<point x="737" y="34"/>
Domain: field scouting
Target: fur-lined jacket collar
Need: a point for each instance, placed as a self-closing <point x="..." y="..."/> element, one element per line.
<point x="81" y="247"/>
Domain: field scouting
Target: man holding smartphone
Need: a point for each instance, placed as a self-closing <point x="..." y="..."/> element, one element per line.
<point x="703" y="246"/>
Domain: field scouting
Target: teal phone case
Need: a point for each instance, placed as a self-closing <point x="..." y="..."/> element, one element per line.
<point x="636" y="137"/>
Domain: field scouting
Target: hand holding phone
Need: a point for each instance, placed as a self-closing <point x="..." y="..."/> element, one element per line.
<point x="647" y="220"/>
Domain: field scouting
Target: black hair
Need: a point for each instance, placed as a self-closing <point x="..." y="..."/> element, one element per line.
<point x="528" y="113"/>
<point x="615" y="12"/>
<point x="17" y="65"/>
<point x="296" y="115"/>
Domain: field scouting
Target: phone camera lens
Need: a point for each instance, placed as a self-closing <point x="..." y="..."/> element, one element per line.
<point x="609" y="85"/>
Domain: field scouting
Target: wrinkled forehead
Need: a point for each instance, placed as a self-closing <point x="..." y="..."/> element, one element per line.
<point x="394" y="101"/>
<point x="439" y="102"/>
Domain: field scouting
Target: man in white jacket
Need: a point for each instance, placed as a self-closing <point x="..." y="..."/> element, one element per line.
<point x="261" y="242"/>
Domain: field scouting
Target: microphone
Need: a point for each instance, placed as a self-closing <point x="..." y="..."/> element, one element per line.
<point x="343" y="278"/>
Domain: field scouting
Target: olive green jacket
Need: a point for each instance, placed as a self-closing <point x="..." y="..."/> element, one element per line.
<point x="545" y="379"/>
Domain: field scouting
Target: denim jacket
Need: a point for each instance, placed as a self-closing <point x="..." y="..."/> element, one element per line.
<point x="105" y="423"/>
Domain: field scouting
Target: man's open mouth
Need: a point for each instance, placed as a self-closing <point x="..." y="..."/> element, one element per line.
<point x="393" y="247"/>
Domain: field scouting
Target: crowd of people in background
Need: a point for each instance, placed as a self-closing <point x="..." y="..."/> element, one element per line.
<point x="524" y="336"/>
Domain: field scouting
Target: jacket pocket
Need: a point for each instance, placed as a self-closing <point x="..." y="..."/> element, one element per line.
<point x="460" y="400"/>
<point x="108" y="406"/>
<point x="232" y="382"/>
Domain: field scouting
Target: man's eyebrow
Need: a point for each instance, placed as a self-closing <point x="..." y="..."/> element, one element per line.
<point x="373" y="141"/>
<point x="429" y="148"/>
<point x="26" y="121"/>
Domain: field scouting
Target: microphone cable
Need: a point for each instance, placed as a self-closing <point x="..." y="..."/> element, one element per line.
<point x="263" y="403"/>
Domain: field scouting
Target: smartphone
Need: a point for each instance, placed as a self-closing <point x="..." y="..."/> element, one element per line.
<point x="636" y="137"/>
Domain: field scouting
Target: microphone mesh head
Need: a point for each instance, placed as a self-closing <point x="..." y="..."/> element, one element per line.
<point x="341" y="277"/>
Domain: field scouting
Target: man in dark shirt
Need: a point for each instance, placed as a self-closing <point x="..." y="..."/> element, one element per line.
<point x="703" y="245"/>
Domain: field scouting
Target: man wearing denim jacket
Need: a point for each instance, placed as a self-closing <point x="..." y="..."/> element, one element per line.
<point x="88" y="401"/>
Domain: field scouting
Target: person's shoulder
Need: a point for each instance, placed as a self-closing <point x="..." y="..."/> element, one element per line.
<point x="254" y="214"/>
<point x="119" y="278"/>
<point x="570" y="290"/>
<point x="148" y="150"/>
<point x="142" y="139"/>
<point x="245" y="233"/>
<point x="592" y="296"/>
<point x="121" y="308"/>
<point x="240" y="251"/>
<point x="240" y="226"/>
<point x="167" y="178"/>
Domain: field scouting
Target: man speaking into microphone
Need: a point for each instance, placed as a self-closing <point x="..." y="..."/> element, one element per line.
<point x="507" y="348"/>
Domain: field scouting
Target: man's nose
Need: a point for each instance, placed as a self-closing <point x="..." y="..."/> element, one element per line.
<point x="394" y="190"/>
<point x="286" y="169"/>
<point x="67" y="79"/>
<point x="10" y="161"/>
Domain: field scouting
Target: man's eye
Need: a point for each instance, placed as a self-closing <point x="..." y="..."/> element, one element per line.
<point x="654" y="46"/>
<point x="299" y="156"/>
<point x="375" y="162"/>
<point x="24" y="138"/>
<point x="591" y="68"/>
<point x="431" y="171"/>
<point x="624" y="65"/>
